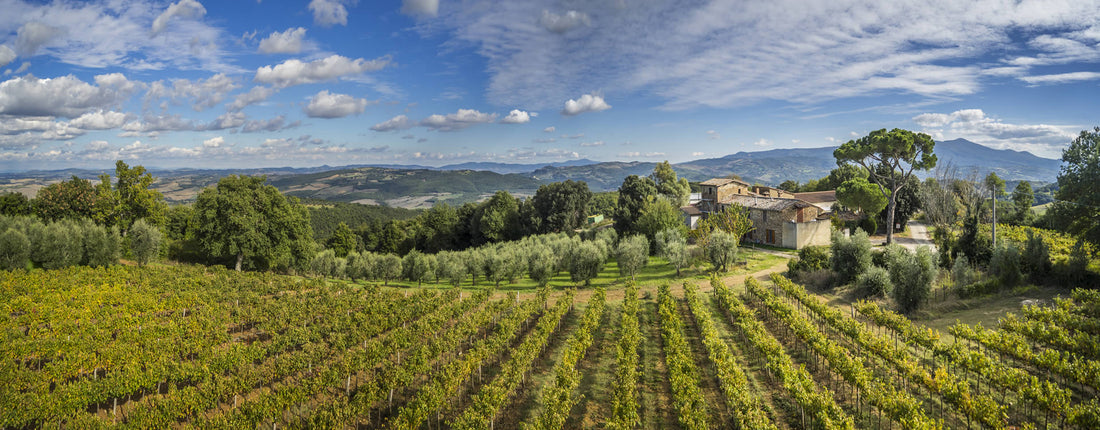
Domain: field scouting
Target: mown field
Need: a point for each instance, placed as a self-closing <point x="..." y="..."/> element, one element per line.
<point x="162" y="347"/>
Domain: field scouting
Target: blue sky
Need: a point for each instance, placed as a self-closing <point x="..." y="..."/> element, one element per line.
<point x="243" y="83"/>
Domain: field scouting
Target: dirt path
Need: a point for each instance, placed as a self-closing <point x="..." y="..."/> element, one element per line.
<point x="918" y="236"/>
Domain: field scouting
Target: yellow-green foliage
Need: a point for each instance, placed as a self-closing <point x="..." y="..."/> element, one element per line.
<point x="1061" y="244"/>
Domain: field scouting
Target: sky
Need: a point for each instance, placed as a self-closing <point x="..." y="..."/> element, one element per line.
<point x="268" y="83"/>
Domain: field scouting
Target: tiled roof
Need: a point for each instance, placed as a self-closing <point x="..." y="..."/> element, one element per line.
<point x="817" y="196"/>
<point x="691" y="210"/>
<point x="766" y="203"/>
<point x="722" y="181"/>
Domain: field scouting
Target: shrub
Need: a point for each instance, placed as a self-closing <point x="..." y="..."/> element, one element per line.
<point x="15" y="250"/>
<point x="874" y="282"/>
<point x="809" y="258"/>
<point x="912" y="276"/>
<point x="1035" y="260"/>
<point x="978" y="246"/>
<point x="1005" y="265"/>
<point x="869" y="225"/>
<point x="1073" y="272"/>
<point x="821" y="279"/>
<point x="145" y="241"/>
<point x="981" y="288"/>
<point x="961" y="272"/>
<point x="851" y="256"/>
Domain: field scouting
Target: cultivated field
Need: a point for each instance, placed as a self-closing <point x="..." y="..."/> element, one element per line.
<point x="200" y="347"/>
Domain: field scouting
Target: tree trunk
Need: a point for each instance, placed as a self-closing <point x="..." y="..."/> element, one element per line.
<point x="890" y="217"/>
<point x="240" y="258"/>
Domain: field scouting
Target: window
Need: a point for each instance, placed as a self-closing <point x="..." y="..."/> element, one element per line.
<point x="765" y="215"/>
<point x="769" y="236"/>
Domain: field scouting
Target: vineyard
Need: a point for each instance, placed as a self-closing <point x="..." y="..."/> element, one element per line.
<point x="165" y="347"/>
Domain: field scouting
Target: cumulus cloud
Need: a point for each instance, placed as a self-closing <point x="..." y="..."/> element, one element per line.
<point x="253" y="96"/>
<point x="214" y="142"/>
<point x="64" y="96"/>
<point x="100" y="120"/>
<point x="400" y="122"/>
<point x="696" y="154"/>
<point x="34" y="35"/>
<point x="329" y="105"/>
<point x="6" y="55"/>
<point x="762" y="142"/>
<point x="157" y="124"/>
<point x="585" y="103"/>
<point x="974" y="124"/>
<point x="295" y="72"/>
<point x="204" y="93"/>
<point x="549" y="129"/>
<point x="420" y="7"/>
<point x="517" y="116"/>
<point x="328" y="13"/>
<point x="564" y="22"/>
<point x="186" y="9"/>
<point x="287" y="42"/>
<point x="457" y="121"/>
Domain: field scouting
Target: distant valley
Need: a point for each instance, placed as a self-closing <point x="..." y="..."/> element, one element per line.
<point x="423" y="186"/>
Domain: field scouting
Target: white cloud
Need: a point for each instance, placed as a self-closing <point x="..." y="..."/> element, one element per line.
<point x="34" y="35"/>
<point x="728" y="53"/>
<point x="226" y="121"/>
<point x="97" y="145"/>
<point x="214" y="142"/>
<point x="546" y="140"/>
<point x="517" y="116"/>
<point x="329" y="105"/>
<point x="586" y="103"/>
<point x="287" y="42"/>
<point x="99" y="120"/>
<point x="973" y="124"/>
<point x="592" y="144"/>
<point x="549" y="129"/>
<point x="157" y="124"/>
<point x="187" y="9"/>
<point x="116" y="34"/>
<point x="400" y="122"/>
<point x="762" y="142"/>
<point x="458" y="120"/>
<point x="295" y="72"/>
<point x="420" y="7"/>
<point x="1061" y="78"/>
<point x="696" y="154"/>
<point x="713" y="135"/>
<point x="275" y="124"/>
<point x="564" y="22"/>
<point x="255" y="95"/>
<point x="65" y="96"/>
<point x="6" y="55"/>
<point x="205" y="93"/>
<point x="328" y="13"/>
<point x="573" y="136"/>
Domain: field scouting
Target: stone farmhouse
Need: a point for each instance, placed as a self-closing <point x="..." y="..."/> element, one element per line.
<point x="779" y="218"/>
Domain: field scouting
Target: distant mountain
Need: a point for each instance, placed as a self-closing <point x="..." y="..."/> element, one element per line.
<point x="1008" y="164"/>
<point x="505" y="168"/>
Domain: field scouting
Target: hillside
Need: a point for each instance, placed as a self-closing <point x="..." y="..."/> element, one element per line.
<point x="402" y="188"/>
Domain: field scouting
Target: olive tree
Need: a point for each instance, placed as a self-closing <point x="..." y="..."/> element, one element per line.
<point x="721" y="249"/>
<point x="585" y="261"/>
<point x="672" y="246"/>
<point x="15" y="249"/>
<point x="632" y="254"/>
<point x="145" y="241"/>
